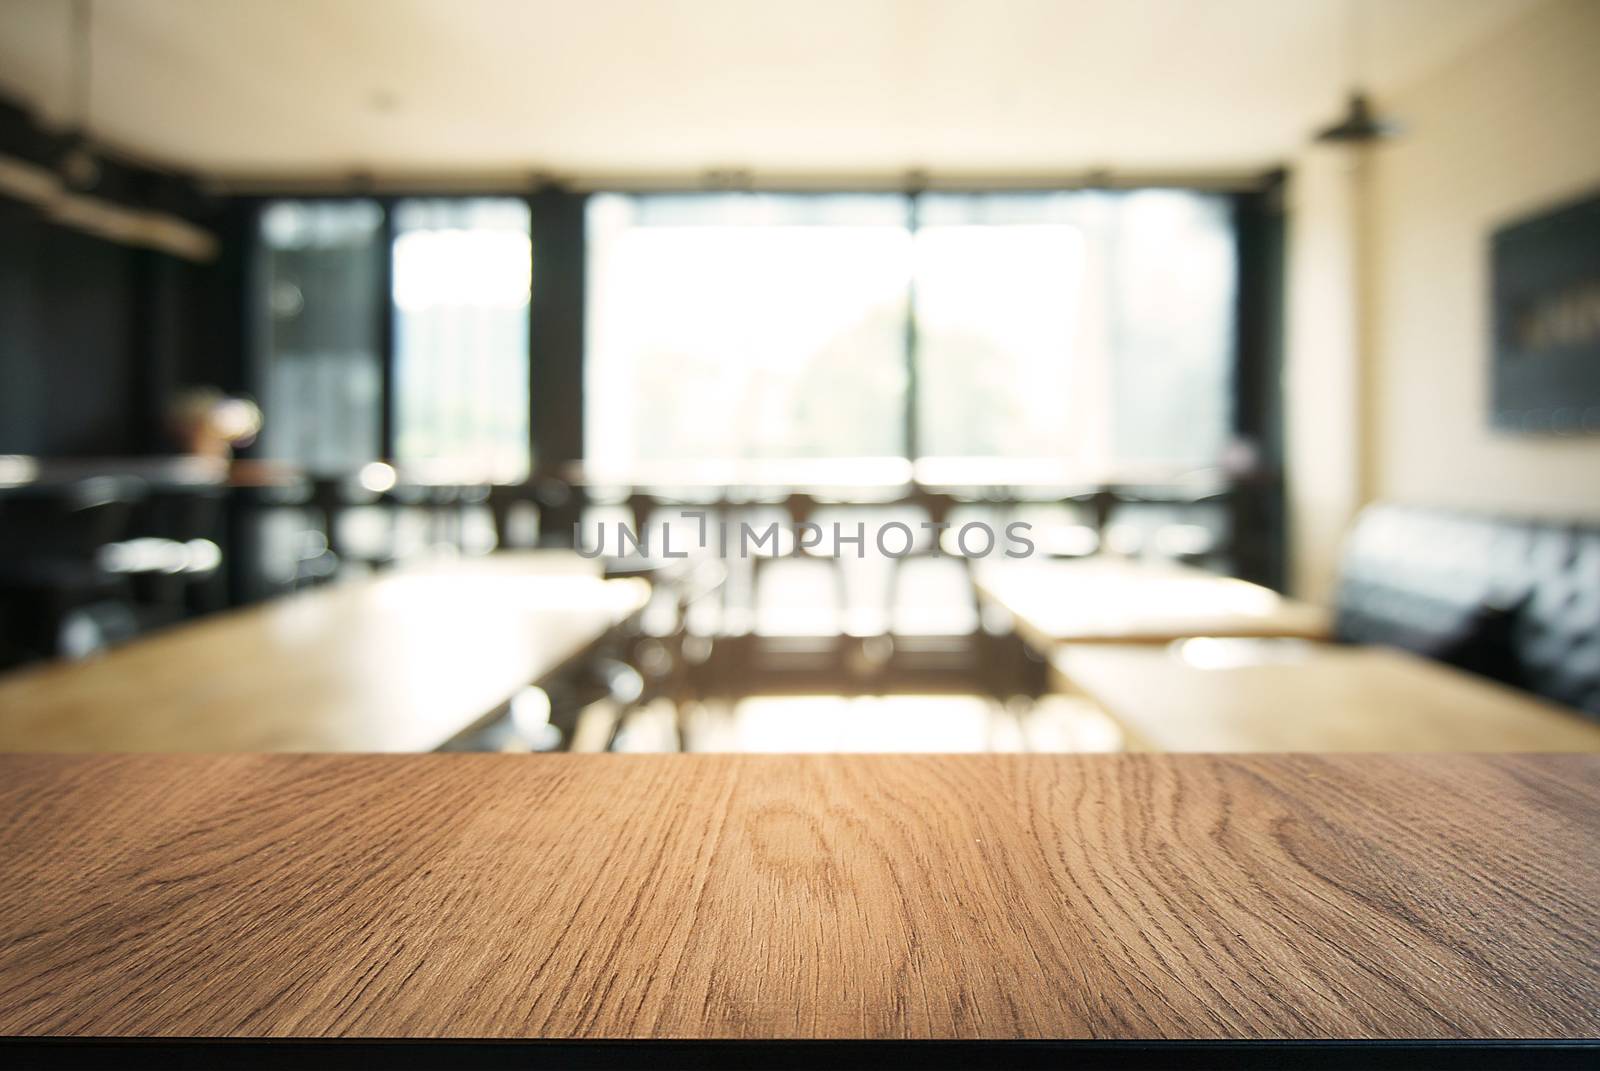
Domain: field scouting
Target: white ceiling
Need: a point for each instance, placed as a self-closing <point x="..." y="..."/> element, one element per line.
<point x="847" y="87"/>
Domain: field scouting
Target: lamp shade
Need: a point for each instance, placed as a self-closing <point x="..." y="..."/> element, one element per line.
<point x="1358" y="124"/>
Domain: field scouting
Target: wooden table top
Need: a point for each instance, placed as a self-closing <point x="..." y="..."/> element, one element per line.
<point x="1285" y="695"/>
<point x="403" y="662"/>
<point x="1115" y="600"/>
<point x="991" y="896"/>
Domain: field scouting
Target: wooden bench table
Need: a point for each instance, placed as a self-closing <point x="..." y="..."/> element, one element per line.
<point x="1114" y="600"/>
<point x="1275" y="695"/>
<point x="1113" y="897"/>
<point x="401" y="662"/>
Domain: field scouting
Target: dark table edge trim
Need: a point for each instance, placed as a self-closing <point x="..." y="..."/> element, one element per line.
<point x="662" y="1055"/>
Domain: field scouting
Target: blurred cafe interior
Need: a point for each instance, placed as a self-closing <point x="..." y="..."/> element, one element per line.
<point x="829" y="377"/>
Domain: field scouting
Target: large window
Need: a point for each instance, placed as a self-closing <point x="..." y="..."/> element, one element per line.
<point x="1091" y="327"/>
<point x="457" y="393"/>
<point x="462" y="274"/>
<point x="322" y="374"/>
<point x="745" y="326"/>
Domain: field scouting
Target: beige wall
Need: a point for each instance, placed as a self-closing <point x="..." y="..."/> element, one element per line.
<point x="1321" y="383"/>
<point x="1505" y="129"/>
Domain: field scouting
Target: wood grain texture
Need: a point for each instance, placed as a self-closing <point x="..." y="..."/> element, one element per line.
<point x="1244" y="695"/>
<point x="403" y="662"/>
<point x="1116" y="896"/>
<point x="1113" y="600"/>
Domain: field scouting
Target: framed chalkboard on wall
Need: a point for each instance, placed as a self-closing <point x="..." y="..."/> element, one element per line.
<point x="1546" y="376"/>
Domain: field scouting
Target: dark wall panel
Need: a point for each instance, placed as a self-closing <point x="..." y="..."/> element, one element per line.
<point x="21" y="377"/>
<point x="83" y="341"/>
<point x="66" y="346"/>
<point x="95" y="338"/>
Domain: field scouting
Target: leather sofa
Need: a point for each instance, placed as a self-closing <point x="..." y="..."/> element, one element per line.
<point x="1515" y="599"/>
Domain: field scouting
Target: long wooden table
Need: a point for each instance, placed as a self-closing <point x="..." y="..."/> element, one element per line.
<point x="403" y="662"/>
<point x="1002" y="897"/>
<point x="1273" y="695"/>
<point x="1105" y="599"/>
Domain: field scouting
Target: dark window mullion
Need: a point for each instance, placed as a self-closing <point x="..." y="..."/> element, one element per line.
<point x="912" y="430"/>
<point x="386" y="333"/>
<point x="529" y="388"/>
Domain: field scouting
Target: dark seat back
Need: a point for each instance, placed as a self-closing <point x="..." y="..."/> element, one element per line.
<point x="1418" y="578"/>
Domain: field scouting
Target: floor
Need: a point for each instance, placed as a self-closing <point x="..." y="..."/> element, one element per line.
<point x="890" y="723"/>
